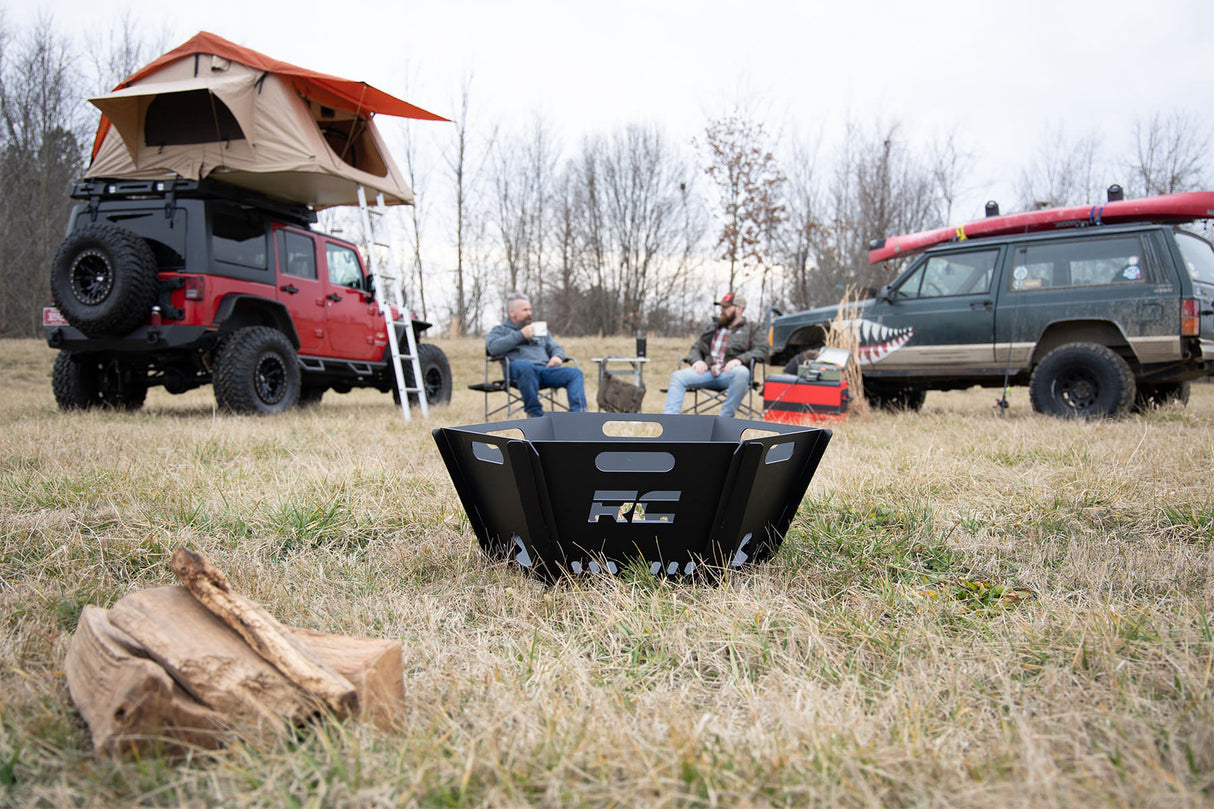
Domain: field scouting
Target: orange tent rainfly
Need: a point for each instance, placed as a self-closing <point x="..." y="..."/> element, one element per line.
<point x="211" y="108"/>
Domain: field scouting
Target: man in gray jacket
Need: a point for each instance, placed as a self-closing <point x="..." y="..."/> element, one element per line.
<point x="535" y="359"/>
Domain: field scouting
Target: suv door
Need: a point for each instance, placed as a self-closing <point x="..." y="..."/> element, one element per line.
<point x="940" y="314"/>
<point x="355" y="327"/>
<point x="300" y="288"/>
<point x="1113" y="278"/>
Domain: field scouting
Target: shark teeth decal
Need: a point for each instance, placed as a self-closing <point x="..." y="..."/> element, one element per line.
<point x="876" y="342"/>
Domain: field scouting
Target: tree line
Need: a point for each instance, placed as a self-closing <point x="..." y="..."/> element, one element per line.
<point x="627" y="231"/>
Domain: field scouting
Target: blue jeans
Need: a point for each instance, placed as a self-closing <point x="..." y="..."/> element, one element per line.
<point x="531" y="377"/>
<point x="685" y="379"/>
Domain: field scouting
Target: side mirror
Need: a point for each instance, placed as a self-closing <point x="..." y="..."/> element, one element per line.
<point x="886" y="295"/>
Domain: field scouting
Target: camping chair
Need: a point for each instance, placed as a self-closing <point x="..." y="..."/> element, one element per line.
<point x="514" y="401"/>
<point x="702" y="400"/>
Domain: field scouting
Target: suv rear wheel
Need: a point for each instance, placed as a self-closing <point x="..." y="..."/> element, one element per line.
<point x="436" y="375"/>
<point x="257" y="372"/>
<point x="103" y="280"/>
<point x="1083" y="380"/>
<point x="85" y="381"/>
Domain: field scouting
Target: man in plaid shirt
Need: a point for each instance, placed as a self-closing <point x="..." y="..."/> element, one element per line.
<point x="720" y="358"/>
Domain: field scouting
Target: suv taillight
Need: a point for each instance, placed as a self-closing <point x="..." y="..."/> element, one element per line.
<point x="1190" y="317"/>
<point x="195" y="288"/>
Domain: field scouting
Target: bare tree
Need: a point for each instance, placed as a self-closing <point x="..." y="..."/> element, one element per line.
<point x="1170" y="153"/>
<point x="41" y="141"/>
<point x="748" y="183"/>
<point x="1063" y="172"/>
<point x="122" y="49"/>
<point x="876" y="188"/>
<point x="464" y="174"/>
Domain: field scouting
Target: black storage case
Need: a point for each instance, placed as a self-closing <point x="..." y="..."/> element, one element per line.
<point x="568" y="497"/>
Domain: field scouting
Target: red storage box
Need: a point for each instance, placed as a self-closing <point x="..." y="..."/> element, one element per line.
<point x="790" y="399"/>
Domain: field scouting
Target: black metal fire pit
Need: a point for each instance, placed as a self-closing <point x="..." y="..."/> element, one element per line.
<point x="596" y="492"/>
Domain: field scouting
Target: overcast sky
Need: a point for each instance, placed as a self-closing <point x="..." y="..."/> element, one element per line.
<point x="999" y="75"/>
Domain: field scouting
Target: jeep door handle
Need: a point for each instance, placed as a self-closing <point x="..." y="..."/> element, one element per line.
<point x="333" y="296"/>
<point x="289" y="289"/>
<point x="987" y="304"/>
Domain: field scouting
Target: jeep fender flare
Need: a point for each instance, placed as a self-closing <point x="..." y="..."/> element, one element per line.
<point x="238" y="311"/>
<point x="1100" y="332"/>
<point x="810" y="335"/>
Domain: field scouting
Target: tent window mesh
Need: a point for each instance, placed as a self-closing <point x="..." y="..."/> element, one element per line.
<point x="195" y="116"/>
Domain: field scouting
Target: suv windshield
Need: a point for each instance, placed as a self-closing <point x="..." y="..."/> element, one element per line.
<point x="1198" y="256"/>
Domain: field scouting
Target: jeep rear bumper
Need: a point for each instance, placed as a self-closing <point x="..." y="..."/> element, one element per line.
<point x="141" y="341"/>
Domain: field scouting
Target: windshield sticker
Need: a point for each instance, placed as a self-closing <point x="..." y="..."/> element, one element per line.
<point x="1131" y="273"/>
<point x="876" y="342"/>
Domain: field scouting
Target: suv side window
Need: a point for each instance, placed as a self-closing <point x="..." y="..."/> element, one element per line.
<point x="1088" y="262"/>
<point x="1198" y="256"/>
<point x="296" y="255"/>
<point x="238" y="236"/>
<point x="344" y="267"/>
<point x="954" y="274"/>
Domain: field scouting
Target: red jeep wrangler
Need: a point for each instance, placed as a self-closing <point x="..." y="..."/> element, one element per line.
<point x="182" y="283"/>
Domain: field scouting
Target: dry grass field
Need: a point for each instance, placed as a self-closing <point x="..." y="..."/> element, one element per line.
<point x="969" y="610"/>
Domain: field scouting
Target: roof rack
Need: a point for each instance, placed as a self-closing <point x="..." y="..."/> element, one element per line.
<point x="97" y="189"/>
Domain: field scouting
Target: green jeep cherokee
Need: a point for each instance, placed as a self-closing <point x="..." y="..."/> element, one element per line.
<point x="1095" y="320"/>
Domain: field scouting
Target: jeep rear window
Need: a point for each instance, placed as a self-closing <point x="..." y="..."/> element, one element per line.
<point x="296" y="255"/>
<point x="1198" y="256"/>
<point x="238" y="236"/>
<point x="1081" y="263"/>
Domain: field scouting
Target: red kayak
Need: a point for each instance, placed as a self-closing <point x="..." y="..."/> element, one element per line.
<point x="1169" y="208"/>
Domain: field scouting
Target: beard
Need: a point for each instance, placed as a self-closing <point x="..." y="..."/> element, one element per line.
<point x="725" y="320"/>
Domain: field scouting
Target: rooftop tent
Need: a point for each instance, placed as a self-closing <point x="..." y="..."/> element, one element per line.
<point x="210" y="108"/>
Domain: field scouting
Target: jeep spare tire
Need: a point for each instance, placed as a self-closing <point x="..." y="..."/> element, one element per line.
<point x="1082" y="380"/>
<point x="103" y="280"/>
<point x="257" y="372"/>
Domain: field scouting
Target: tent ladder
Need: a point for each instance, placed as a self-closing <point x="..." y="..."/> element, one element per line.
<point x="390" y="292"/>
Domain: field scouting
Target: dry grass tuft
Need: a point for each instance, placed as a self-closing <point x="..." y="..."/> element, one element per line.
<point x="969" y="610"/>
<point x="845" y="333"/>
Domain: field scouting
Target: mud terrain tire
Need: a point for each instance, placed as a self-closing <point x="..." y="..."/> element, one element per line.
<point x="1082" y="380"/>
<point x="103" y="280"/>
<point x="257" y="372"/>
<point x="894" y="398"/>
<point x="85" y="381"/>
<point x="1158" y="394"/>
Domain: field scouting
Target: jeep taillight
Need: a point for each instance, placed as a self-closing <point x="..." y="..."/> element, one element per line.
<point x="1190" y="317"/>
<point x="195" y="288"/>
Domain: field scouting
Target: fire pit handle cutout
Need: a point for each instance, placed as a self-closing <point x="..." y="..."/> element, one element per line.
<point x="634" y="462"/>
<point x="778" y="453"/>
<point x="487" y="453"/>
<point x="632" y="429"/>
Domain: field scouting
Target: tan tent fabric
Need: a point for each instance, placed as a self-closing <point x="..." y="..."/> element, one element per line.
<point x="283" y="153"/>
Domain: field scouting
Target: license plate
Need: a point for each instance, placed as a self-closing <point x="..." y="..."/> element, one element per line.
<point x="51" y="317"/>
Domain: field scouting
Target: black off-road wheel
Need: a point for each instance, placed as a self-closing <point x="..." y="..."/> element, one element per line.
<point x="893" y="397"/>
<point x="793" y="365"/>
<point x="1159" y="394"/>
<point x="103" y="280"/>
<point x="436" y="376"/>
<point x="1082" y="380"/>
<point x="257" y="372"/>
<point x="85" y="381"/>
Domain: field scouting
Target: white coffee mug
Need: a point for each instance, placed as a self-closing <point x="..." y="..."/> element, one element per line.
<point x="540" y="327"/>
